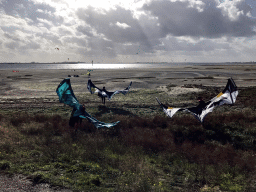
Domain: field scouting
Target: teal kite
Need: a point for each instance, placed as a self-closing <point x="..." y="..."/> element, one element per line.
<point x="66" y="95"/>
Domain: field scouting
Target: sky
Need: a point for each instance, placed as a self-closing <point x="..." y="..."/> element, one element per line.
<point x="130" y="31"/>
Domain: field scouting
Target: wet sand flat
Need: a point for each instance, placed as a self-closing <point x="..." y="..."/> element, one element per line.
<point x="43" y="83"/>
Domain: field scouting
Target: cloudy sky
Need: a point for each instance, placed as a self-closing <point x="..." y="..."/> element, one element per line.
<point x="111" y="31"/>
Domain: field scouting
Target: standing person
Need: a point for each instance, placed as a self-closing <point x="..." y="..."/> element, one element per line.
<point x="103" y="95"/>
<point x="74" y="120"/>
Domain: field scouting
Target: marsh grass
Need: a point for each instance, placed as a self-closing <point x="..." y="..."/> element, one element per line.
<point x="144" y="152"/>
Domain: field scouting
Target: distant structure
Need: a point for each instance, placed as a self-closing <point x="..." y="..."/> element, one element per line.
<point x="92" y="62"/>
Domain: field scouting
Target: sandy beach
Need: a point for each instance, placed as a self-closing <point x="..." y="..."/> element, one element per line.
<point x="43" y="83"/>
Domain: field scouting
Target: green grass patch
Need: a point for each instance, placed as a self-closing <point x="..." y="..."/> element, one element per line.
<point x="146" y="151"/>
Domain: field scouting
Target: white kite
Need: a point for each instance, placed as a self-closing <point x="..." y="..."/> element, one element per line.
<point x="227" y="96"/>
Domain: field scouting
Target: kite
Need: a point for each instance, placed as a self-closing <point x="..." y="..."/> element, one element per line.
<point x="66" y="95"/>
<point x="104" y="93"/>
<point x="227" y="96"/>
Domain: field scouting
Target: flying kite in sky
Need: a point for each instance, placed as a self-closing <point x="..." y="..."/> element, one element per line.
<point x="67" y="96"/>
<point x="57" y="48"/>
<point x="103" y="92"/>
<point x="227" y="96"/>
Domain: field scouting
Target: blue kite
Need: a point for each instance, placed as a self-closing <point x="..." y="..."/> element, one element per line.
<point x="66" y="95"/>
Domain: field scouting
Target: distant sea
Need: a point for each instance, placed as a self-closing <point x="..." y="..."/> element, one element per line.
<point x="20" y="66"/>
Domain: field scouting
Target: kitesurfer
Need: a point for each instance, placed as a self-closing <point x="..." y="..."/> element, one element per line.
<point x="103" y="97"/>
<point x="201" y="105"/>
<point x="74" y="120"/>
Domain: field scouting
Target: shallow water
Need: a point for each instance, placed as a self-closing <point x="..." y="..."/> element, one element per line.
<point x="18" y="66"/>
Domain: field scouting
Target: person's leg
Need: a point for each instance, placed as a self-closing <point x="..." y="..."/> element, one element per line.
<point x="73" y="123"/>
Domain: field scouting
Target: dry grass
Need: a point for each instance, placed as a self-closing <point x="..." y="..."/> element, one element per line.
<point x="142" y="153"/>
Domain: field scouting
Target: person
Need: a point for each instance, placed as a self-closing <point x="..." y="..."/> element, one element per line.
<point x="102" y="95"/>
<point x="74" y="120"/>
<point x="202" y="104"/>
<point x="104" y="98"/>
<point x="199" y="108"/>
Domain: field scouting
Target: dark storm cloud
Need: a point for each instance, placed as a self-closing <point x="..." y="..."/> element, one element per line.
<point x="10" y="29"/>
<point x="84" y="30"/>
<point x="145" y="34"/>
<point x="30" y="45"/>
<point x="107" y="24"/>
<point x="178" y="19"/>
<point x="97" y="48"/>
<point x="63" y="32"/>
<point x="172" y="44"/>
<point x="20" y="43"/>
<point x="79" y="41"/>
<point x="101" y="47"/>
<point x="53" y="38"/>
<point x="31" y="10"/>
<point x="12" y="45"/>
<point x="12" y="37"/>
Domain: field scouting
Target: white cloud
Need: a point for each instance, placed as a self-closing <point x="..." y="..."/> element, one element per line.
<point x="198" y="30"/>
<point x="45" y="21"/>
<point x="230" y="9"/>
<point x="122" y="25"/>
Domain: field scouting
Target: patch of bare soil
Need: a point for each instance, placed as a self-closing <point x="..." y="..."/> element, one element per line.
<point x="21" y="183"/>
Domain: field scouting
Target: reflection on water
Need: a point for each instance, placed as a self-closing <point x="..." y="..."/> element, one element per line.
<point x="81" y="66"/>
<point x="16" y="66"/>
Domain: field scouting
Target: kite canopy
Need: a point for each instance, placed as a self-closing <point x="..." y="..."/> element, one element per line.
<point x="66" y="95"/>
<point x="103" y="93"/>
<point x="227" y="96"/>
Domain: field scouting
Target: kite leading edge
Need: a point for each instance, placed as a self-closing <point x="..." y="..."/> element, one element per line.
<point x="227" y="96"/>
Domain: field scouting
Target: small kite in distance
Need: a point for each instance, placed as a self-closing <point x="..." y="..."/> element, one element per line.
<point x="104" y="93"/>
<point x="57" y="48"/>
<point x="227" y="96"/>
<point x="66" y="95"/>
